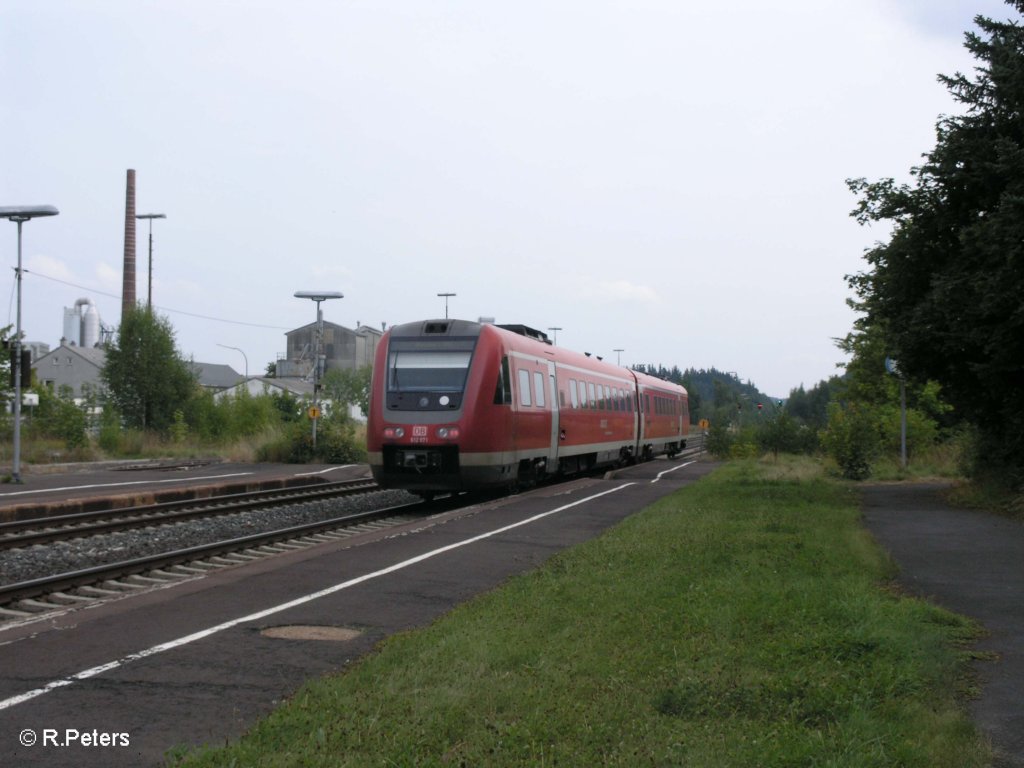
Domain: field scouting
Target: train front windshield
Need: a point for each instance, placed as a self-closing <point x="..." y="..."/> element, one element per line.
<point x="428" y="374"/>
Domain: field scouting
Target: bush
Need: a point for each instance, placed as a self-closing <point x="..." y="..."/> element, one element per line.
<point x="337" y="443"/>
<point x="58" y="417"/>
<point x="852" y="439"/>
<point x="719" y="440"/>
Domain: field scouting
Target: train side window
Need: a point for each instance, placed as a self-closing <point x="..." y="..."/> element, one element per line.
<point x="609" y="404"/>
<point x="524" y="387"/>
<point x="647" y="403"/>
<point x="574" y="393"/>
<point x="592" y="401"/>
<point x="538" y="386"/>
<point x="561" y="398"/>
<point x="583" y="394"/>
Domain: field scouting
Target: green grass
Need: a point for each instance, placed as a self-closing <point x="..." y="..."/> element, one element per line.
<point x="743" y="621"/>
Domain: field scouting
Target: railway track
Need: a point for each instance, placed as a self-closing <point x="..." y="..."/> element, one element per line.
<point x="44" y="530"/>
<point x="27" y="599"/>
<point x="30" y="598"/>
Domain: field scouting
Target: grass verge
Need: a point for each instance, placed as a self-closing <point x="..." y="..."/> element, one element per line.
<point x="740" y="622"/>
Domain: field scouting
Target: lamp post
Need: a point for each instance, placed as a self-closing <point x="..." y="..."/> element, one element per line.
<point x="554" y="329"/>
<point x="446" y="296"/>
<point x="317" y="297"/>
<point x="149" y="290"/>
<point x="20" y="214"/>
<point x="244" y="357"/>
<point x="618" y="356"/>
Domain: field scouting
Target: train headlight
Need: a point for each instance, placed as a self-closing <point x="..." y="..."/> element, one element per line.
<point x="448" y="433"/>
<point x="393" y="432"/>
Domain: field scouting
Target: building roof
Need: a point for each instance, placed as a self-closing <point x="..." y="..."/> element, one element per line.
<point x="97" y="356"/>
<point x="300" y="387"/>
<point x="215" y="375"/>
<point x="212" y="375"/>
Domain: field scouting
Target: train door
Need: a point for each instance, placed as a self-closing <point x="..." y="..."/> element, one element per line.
<point x="555" y="425"/>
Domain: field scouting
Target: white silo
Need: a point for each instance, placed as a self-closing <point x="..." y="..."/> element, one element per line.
<point x="82" y="324"/>
<point x="90" y="325"/>
<point x="72" y="325"/>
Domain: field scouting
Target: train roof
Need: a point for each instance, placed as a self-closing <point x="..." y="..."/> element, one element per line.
<point x="453" y="328"/>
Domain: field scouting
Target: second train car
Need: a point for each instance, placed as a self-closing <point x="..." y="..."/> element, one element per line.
<point x="457" y="405"/>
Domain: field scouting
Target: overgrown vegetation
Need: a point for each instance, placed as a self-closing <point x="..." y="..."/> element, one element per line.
<point x="740" y="622"/>
<point x="941" y="329"/>
<point x="944" y="292"/>
<point x="152" y="406"/>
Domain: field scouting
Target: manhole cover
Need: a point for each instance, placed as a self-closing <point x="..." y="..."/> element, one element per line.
<point x="308" y="632"/>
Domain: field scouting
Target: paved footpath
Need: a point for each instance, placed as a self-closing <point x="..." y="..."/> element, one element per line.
<point x="972" y="563"/>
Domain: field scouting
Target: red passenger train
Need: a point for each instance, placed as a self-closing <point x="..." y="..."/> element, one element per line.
<point x="457" y="405"/>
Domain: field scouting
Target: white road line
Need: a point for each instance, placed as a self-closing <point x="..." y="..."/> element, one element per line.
<point x="672" y="470"/>
<point x="117" y="485"/>
<point x="324" y="471"/>
<point x="94" y="671"/>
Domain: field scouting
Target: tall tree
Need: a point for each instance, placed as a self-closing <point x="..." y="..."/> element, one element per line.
<point x="146" y="378"/>
<point x="349" y="387"/>
<point x="947" y="287"/>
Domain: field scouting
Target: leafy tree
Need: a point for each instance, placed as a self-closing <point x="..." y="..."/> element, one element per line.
<point x="145" y="377"/>
<point x="778" y="434"/>
<point x="6" y="391"/>
<point x="852" y="438"/>
<point x="58" y="416"/>
<point x="349" y="387"/>
<point x="946" y="288"/>
<point x="809" y="406"/>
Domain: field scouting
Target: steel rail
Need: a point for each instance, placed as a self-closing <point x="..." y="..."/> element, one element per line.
<point x="87" y="576"/>
<point x="42" y="530"/>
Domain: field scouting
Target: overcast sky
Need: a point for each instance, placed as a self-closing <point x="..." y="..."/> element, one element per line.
<point x="665" y="177"/>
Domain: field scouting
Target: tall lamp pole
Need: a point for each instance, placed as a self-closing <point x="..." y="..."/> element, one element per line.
<point x="20" y="214"/>
<point x="446" y="297"/>
<point x="618" y="356"/>
<point x="149" y="290"/>
<point x="244" y="357"/>
<point x="317" y="297"/>
<point x="554" y="329"/>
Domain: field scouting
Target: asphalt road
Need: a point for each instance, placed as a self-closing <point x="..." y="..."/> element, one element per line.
<point x="972" y="563"/>
<point x="193" y="664"/>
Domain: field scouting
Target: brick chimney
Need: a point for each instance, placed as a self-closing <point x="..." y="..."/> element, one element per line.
<point x="128" y="284"/>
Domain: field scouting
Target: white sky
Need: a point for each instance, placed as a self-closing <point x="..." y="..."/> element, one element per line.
<point x="660" y="176"/>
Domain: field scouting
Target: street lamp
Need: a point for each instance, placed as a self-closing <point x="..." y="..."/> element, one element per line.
<point x="150" y="216"/>
<point x="317" y="297"/>
<point x="555" y="329"/>
<point x="618" y="356"/>
<point x="244" y="357"/>
<point x="446" y="297"/>
<point x="20" y="214"/>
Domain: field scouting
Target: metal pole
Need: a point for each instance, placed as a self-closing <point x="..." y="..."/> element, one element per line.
<point x="149" y="290"/>
<point x="16" y="365"/>
<point x="149" y="286"/>
<point x="446" y="296"/>
<point x="244" y="357"/>
<point x="316" y="370"/>
<point x="903" y="423"/>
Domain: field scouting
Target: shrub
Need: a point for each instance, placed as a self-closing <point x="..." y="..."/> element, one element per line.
<point x="852" y="439"/>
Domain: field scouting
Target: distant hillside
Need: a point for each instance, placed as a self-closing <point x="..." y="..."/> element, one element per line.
<point x="712" y="389"/>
